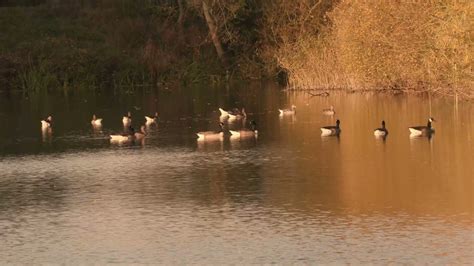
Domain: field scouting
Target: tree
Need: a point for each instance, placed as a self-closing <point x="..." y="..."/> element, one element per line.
<point x="213" y="31"/>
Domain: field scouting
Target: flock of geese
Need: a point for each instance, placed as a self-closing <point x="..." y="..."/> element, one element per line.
<point x="128" y="134"/>
<point x="335" y="130"/>
<point x="232" y="116"/>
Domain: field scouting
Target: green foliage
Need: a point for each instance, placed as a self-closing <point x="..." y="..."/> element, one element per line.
<point x="37" y="79"/>
<point x="60" y="53"/>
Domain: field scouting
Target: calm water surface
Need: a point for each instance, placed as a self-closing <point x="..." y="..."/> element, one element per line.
<point x="289" y="197"/>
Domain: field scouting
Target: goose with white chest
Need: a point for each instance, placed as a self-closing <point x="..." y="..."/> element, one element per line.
<point x="149" y="120"/>
<point x="245" y="133"/>
<point x="290" y="111"/>
<point x="211" y="135"/>
<point x="427" y="130"/>
<point x="232" y="115"/>
<point x="47" y="123"/>
<point x="381" y="131"/>
<point x="329" y="111"/>
<point x="96" y="122"/>
<point x="127" y="119"/>
<point x="237" y="114"/>
<point x="123" y="137"/>
<point x="331" y="130"/>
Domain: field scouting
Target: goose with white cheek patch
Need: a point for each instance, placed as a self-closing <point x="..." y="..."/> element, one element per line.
<point x="427" y="130"/>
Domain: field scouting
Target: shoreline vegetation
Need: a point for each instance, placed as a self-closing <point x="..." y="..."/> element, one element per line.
<point x="121" y="45"/>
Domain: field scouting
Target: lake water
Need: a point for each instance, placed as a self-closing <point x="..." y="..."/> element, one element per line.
<point x="290" y="196"/>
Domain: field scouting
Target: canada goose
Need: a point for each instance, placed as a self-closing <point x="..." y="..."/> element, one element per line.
<point x="331" y="130"/>
<point x="46" y="123"/>
<point x="329" y="111"/>
<point x="211" y="135"/>
<point x="151" y="119"/>
<point x="422" y="130"/>
<point x="126" y="136"/>
<point x="141" y="134"/>
<point x="96" y="122"/>
<point x="290" y="111"/>
<point x="224" y="113"/>
<point x="382" y="131"/>
<point x="127" y="120"/>
<point x="244" y="133"/>
<point x="237" y="114"/>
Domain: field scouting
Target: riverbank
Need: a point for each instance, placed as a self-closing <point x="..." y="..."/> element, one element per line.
<point x="401" y="46"/>
<point x="106" y="46"/>
<point x="123" y="45"/>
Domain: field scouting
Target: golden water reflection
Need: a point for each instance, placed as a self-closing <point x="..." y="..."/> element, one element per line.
<point x="288" y="196"/>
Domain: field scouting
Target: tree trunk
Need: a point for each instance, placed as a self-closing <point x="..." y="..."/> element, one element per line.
<point x="181" y="14"/>
<point x="213" y="31"/>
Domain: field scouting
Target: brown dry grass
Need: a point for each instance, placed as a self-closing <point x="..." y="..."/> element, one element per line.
<point x="371" y="44"/>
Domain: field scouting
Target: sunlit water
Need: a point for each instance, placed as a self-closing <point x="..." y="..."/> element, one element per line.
<point x="290" y="196"/>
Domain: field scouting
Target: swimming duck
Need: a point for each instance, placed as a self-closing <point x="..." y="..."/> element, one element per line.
<point x="382" y="131"/>
<point x="329" y="111"/>
<point x="422" y="130"/>
<point x="290" y="111"/>
<point x="96" y="122"/>
<point x="46" y="123"/>
<point x="244" y="133"/>
<point x="151" y="119"/>
<point x="331" y="130"/>
<point x="141" y="134"/>
<point x="127" y="120"/>
<point x="211" y="135"/>
<point x="126" y="136"/>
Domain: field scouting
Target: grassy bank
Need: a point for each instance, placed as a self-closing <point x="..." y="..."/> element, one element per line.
<point x="48" y="50"/>
<point x="402" y="45"/>
<point x="107" y="45"/>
